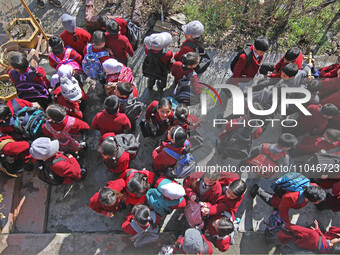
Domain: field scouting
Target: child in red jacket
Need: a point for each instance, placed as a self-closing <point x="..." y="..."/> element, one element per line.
<point x="118" y="43"/>
<point x="110" y="120"/>
<point x="69" y="131"/>
<point x="330" y="71"/>
<point x="61" y="55"/>
<point x="157" y="62"/>
<point x="108" y="199"/>
<point x="140" y="219"/>
<point x="192" y="31"/>
<point x="74" y="37"/>
<point x="64" y="166"/>
<point x="137" y="182"/>
<point x="162" y="161"/>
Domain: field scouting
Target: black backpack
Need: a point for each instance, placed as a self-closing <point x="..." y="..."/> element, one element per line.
<point x="152" y="67"/>
<point x="183" y="93"/>
<point x="133" y="34"/>
<point x="43" y="171"/>
<point x="205" y="58"/>
<point x="249" y="55"/>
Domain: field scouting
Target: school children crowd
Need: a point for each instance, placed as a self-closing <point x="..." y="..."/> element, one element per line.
<point x="49" y="139"/>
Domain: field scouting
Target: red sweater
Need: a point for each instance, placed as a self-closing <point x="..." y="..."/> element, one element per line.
<point x="40" y="80"/>
<point x="281" y="64"/>
<point x="329" y="71"/>
<point x="329" y="86"/>
<point x="152" y="113"/>
<point x="166" y="59"/>
<point x="183" y="50"/>
<point x="315" y="122"/>
<point x="15" y="149"/>
<point x="83" y="36"/>
<point x="332" y="99"/>
<point x="78" y="127"/>
<point x="128" y="229"/>
<point x="221" y="244"/>
<point x="97" y="206"/>
<point x="120" y="46"/>
<point x="77" y="57"/>
<point x="313" y="144"/>
<point x="95" y="50"/>
<point x="240" y="70"/>
<point x="105" y="122"/>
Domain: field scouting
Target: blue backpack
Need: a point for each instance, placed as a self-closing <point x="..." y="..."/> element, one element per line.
<point x="91" y="63"/>
<point x="185" y="164"/>
<point x="292" y="182"/>
<point x="158" y="202"/>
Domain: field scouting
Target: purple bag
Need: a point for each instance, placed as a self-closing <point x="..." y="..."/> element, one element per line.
<point x="193" y="214"/>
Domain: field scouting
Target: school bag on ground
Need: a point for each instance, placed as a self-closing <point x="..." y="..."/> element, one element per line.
<point x="91" y="63"/>
<point x="129" y="143"/>
<point x="66" y="60"/>
<point x="184" y="166"/>
<point x="152" y="67"/>
<point x="133" y="34"/>
<point x="144" y="236"/>
<point x="274" y="225"/>
<point x="183" y="93"/>
<point x="291" y="182"/>
<point x="29" y="121"/>
<point x="205" y="58"/>
<point x="266" y="160"/>
<point x="249" y="56"/>
<point x="43" y="171"/>
<point x="132" y="107"/>
<point x="68" y="143"/>
<point x="193" y="214"/>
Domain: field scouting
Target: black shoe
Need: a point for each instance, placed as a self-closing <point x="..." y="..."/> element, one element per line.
<point x="56" y="3"/>
<point x="253" y="191"/>
<point x="41" y="4"/>
<point x="83" y="173"/>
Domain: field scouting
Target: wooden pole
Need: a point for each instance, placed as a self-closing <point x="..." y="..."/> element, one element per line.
<point x="34" y="20"/>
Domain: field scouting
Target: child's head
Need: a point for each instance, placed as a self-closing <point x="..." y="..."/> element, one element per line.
<point x="44" y="148"/>
<point x="193" y="29"/>
<point x="70" y="89"/>
<point x="190" y="59"/>
<point x="314" y="86"/>
<point x="332" y="135"/>
<point x="98" y="39"/>
<point x="158" y="41"/>
<point x="142" y="214"/>
<point x="124" y="89"/>
<point x="289" y="71"/>
<point x="314" y="194"/>
<point x="112" y="27"/>
<point x="329" y="111"/>
<point x="5" y="113"/>
<point x="182" y="113"/>
<point x="56" y="44"/>
<point x="109" y="147"/>
<point x="102" y="20"/>
<point x="19" y="62"/>
<point x="210" y="178"/>
<point x="224" y="226"/>
<point x="65" y="71"/>
<point x="236" y="189"/>
<point x="112" y="66"/>
<point x="68" y="23"/>
<point x="56" y="113"/>
<point x="177" y="136"/>
<point x="108" y="197"/>
<point x="287" y="141"/>
<point x="261" y="45"/>
<point x="292" y="54"/>
<point x="138" y="184"/>
<point x="193" y="241"/>
<point x="111" y="104"/>
<point x="164" y="108"/>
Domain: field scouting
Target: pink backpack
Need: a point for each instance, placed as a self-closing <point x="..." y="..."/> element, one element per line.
<point x="193" y="214"/>
<point x="66" y="61"/>
<point x="126" y="75"/>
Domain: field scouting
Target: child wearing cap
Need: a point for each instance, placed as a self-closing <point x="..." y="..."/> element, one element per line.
<point x="69" y="95"/>
<point x="64" y="166"/>
<point x="157" y="62"/>
<point x="118" y="43"/>
<point x="110" y="120"/>
<point x="192" y="31"/>
<point x="62" y="55"/>
<point x="74" y="37"/>
<point x="68" y="130"/>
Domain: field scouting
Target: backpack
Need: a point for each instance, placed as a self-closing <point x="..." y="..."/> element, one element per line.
<point x="133" y="34"/>
<point x="129" y="143"/>
<point x="183" y="93"/>
<point x="91" y="63"/>
<point x="174" y="103"/>
<point x="126" y="75"/>
<point x="274" y="225"/>
<point x="249" y="56"/>
<point x="152" y="67"/>
<point x="66" y="60"/>
<point x="68" y="143"/>
<point x="266" y="162"/>
<point x="28" y="122"/>
<point x="132" y="108"/>
<point x="204" y="57"/>
<point x="144" y="236"/>
<point x="238" y="144"/>
<point x="43" y="171"/>
<point x="291" y="182"/>
<point x="193" y="214"/>
<point x="184" y="166"/>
